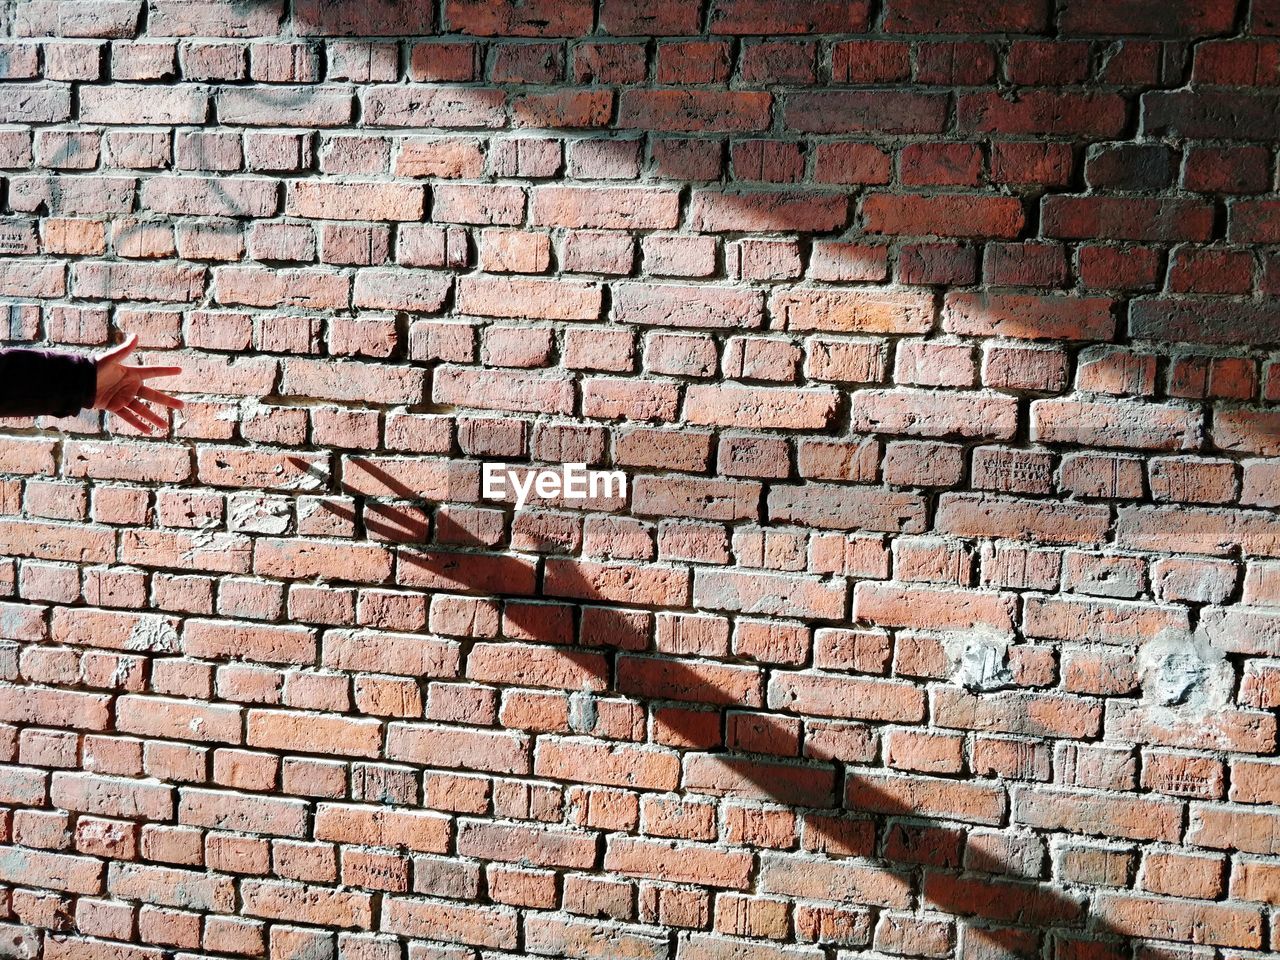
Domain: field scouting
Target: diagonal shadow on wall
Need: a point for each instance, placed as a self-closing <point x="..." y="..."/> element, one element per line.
<point x="872" y="845"/>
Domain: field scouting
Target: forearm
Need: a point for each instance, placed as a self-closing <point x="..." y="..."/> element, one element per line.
<point x="37" y="382"/>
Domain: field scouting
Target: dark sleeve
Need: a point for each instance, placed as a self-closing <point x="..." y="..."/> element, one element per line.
<point x="37" y="382"/>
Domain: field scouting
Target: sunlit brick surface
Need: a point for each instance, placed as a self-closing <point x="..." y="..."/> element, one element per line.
<point x="939" y="342"/>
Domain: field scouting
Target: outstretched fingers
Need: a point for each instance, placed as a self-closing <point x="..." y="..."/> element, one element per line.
<point x="140" y="409"/>
<point x="128" y="396"/>
<point x="143" y="372"/>
<point x="133" y="420"/>
<point x="158" y="396"/>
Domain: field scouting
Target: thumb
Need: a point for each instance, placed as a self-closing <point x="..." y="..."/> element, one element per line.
<point x="120" y="350"/>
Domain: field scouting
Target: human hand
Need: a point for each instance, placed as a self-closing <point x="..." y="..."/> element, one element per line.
<point x="120" y="388"/>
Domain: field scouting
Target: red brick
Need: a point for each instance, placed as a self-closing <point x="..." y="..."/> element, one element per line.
<point x="983" y="515"/>
<point x="1030" y="317"/>
<point x="382" y="827"/>
<point x="751" y="592"/>
<point x="443" y="157"/>
<point x="262" y="287"/>
<point x="445" y="570"/>
<point x="892" y="605"/>
<point x="1130" y="424"/>
<point x="178" y="719"/>
<point x="841" y="508"/>
<point x="913" y="16"/>
<point x="207" y="196"/>
<point x="1100" y="814"/>
<point x="47" y="706"/>
<point x="593" y="761"/>
<point x="316" y="18"/>
<point x="852" y="311"/>
<point x="616" y="582"/>
<point x="944" y="215"/>
<point x="724" y="212"/>
<point x="605" y="207"/>
<point x="1111" y="621"/>
<point x="502" y="390"/>
<point x="77" y="196"/>
<point x="122" y="103"/>
<point x="325" y="559"/>
<point x="56" y="871"/>
<point x="355" y="201"/>
<point x="1029" y="714"/>
<point x="274" y="644"/>
<point x="851" y="163"/>
<point x="830" y="695"/>
<point x="1243" y="430"/>
<point x="74" y="948"/>
<point x="678" y="862"/>
<point x="1197" y="530"/>
<point x="39" y="103"/>
<point x="283" y="900"/>
<point x="434" y="106"/>
<point x="761" y="17"/>
<point x="298" y="731"/>
<point x="186" y="889"/>
<point x="590" y="939"/>
<point x="431" y="745"/>
<point x="645" y="18"/>
<point x="973" y="802"/>
<point x="112" y="796"/>
<point x="999" y="899"/>
<point x="276" y="816"/>
<point x="696" y="111"/>
<point x="538" y="19"/>
<point x="781" y="477"/>
<point x="1183" y="921"/>
<point x="1225" y="170"/>
<point x="482" y="926"/>
<point x="1123" y="218"/>
<point x="865" y="111"/>
<point x="698" y="681"/>
<point x="1041" y="112"/>
<point x="546" y="846"/>
<point x="930" y="413"/>
<point x="760" y="408"/>
<point x="520" y="297"/>
<point x="1146" y="17"/>
<point x="536" y="666"/>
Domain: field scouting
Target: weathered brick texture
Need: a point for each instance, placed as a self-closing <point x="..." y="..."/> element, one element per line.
<point x="940" y="341"/>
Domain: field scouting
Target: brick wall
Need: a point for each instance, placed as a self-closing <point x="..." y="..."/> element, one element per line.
<point x="938" y="339"/>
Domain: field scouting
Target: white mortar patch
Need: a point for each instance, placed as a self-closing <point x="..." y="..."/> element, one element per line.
<point x="584" y="713"/>
<point x="1180" y="669"/>
<point x="979" y="659"/>
<point x="152" y="634"/>
<point x="202" y="535"/>
<point x="259" y="515"/>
